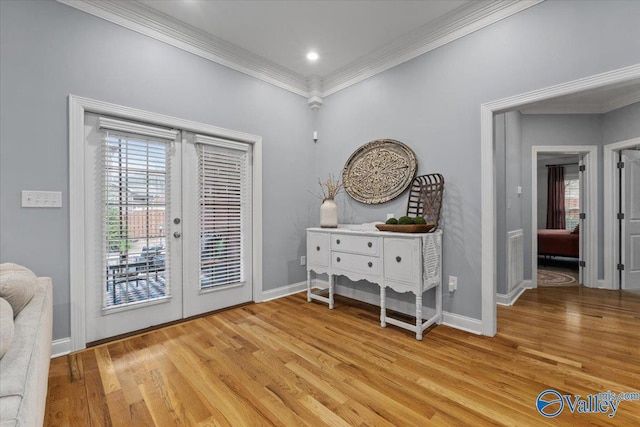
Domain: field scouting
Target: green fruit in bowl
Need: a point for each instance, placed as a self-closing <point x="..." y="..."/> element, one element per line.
<point x="405" y="220"/>
<point x="419" y="220"/>
<point x="392" y="221"/>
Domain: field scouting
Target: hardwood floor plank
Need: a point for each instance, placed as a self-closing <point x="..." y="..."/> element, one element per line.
<point x="292" y="363"/>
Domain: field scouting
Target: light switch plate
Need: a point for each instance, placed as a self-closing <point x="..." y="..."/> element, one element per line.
<point x="453" y="283"/>
<point x="41" y="199"/>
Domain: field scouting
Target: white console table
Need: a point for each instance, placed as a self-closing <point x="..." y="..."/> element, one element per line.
<point x="404" y="262"/>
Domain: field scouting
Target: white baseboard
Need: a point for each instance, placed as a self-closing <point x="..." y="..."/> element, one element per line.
<point x="463" y="323"/>
<point x="457" y="321"/>
<point x="512" y="297"/>
<point x="60" y="347"/>
<point x="283" y="291"/>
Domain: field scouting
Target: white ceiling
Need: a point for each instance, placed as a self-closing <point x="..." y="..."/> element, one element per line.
<point x="595" y="101"/>
<point x="269" y="39"/>
<point x="284" y="31"/>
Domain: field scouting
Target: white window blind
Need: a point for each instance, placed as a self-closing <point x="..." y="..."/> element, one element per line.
<point x="135" y="206"/>
<point x="224" y="211"/>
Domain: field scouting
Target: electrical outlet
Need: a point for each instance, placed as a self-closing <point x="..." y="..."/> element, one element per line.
<point x="453" y="283"/>
<point x="303" y="260"/>
<point x="41" y="199"/>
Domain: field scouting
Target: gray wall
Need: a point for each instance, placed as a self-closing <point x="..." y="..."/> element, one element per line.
<point x="432" y="103"/>
<point x="50" y="50"/>
<point x="621" y="124"/>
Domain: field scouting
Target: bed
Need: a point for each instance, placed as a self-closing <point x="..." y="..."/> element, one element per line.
<point x="564" y="243"/>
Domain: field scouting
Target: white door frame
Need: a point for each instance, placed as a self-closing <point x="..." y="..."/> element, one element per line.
<point x="487" y="168"/>
<point x="611" y="238"/>
<point x="77" y="274"/>
<point x="588" y="227"/>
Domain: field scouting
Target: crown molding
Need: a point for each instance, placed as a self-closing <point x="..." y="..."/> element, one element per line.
<point x="450" y="27"/>
<point x="145" y="20"/>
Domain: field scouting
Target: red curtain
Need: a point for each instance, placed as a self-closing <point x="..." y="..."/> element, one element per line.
<point x="555" y="198"/>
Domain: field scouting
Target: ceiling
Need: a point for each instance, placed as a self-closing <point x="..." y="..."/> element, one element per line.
<point x="594" y="101"/>
<point x="269" y="39"/>
<point x="284" y="31"/>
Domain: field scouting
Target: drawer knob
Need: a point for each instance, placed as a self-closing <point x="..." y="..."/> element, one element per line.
<point x="369" y="244"/>
<point x="338" y="259"/>
<point x="317" y="248"/>
<point x="398" y="259"/>
<point x="370" y="264"/>
<point x="338" y="241"/>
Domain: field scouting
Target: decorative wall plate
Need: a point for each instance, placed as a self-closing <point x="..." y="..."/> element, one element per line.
<point x="379" y="171"/>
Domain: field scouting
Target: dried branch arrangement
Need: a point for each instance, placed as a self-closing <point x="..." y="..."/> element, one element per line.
<point x="330" y="188"/>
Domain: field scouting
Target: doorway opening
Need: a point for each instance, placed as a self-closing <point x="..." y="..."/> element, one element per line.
<point x="558" y="213"/>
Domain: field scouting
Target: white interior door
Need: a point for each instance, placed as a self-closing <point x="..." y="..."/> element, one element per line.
<point x="631" y="223"/>
<point x="583" y="205"/>
<point x="218" y="224"/>
<point x="134" y="262"/>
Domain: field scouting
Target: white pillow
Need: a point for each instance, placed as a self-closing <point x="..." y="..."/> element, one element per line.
<point x="6" y="326"/>
<point x="17" y="286"/>
<point x="10" y="266"/>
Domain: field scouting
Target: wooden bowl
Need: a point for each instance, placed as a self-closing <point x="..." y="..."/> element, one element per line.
<point x="405" y="228"/>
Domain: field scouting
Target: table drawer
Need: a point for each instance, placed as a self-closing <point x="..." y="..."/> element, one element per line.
<point x="318" y="249"/>
<point x="364" y="245"/>
<point x="355" y="263"/>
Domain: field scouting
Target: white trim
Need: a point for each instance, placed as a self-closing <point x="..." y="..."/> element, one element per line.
<point x="487" y="166"/>
<point x="137" y="128"/>
<point x="207" y="140"/>
<point x="463" y="323"/>
<point x="589" y="229"/>
<point x="77" y="108"/>
<point x="510" y="298"/>
<point x="284" y="291"/>
<point x="610" y="188"/>
<point x="60" y="347"/>
<point x="459" y="23"/>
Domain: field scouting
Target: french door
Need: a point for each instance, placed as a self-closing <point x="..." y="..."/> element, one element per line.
<point x="168" y="220"/>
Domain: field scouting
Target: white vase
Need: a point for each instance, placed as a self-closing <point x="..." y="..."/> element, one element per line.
<point x="328" y="214"/>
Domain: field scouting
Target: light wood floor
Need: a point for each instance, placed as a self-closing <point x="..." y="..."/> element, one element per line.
<point x="288" y="362"/>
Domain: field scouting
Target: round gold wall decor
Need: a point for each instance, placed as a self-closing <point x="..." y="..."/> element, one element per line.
<point x="379" y="171"/>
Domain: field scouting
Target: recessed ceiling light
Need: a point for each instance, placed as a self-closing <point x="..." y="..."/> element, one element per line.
<point x="312" y="56"/>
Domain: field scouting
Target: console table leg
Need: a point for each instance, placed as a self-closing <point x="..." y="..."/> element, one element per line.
<point x="330" y="291"/>
<point x="309" y="286"/>
<point x="383" y="306"/>
<point x="419" y="317"/>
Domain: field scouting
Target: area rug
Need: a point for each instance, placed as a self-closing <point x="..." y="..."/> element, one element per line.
<point x="548" y="278"/>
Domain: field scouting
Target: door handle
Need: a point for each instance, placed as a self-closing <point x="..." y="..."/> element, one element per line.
<point x="177" y="234"/>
